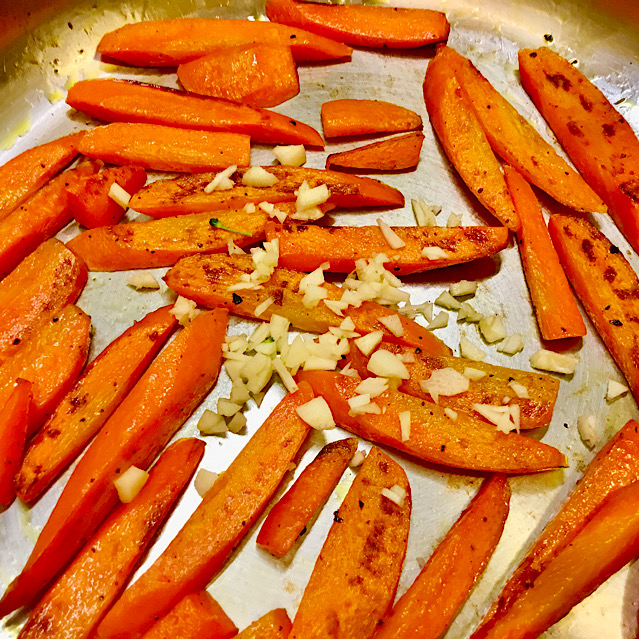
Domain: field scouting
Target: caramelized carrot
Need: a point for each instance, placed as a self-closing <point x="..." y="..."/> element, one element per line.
<point x="464" y="141"/>
<point x="84" y="592"/>
<point x="290" y="516"/>
<point x="163" y="399"/>
<point x="466" y="442"/>
<point x="126" y="101"/>
<point x="355" y="577"/>
<point x="87" y="406"/>
<point x="273" y="625"/>
<point x="364" y="26"/>
<point x="430" y="604"/>
<point x="226" y="514"/>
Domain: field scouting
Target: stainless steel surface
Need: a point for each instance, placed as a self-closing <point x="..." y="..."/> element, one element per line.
<point x="47" y="48"/>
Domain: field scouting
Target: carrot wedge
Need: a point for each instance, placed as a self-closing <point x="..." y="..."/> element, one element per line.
<point x="464" y="141"/>
<point x="293" y="511"/>
<point x="84" y="592"/>
<point x="273" y="625"/>
<point x="518" y="143"/>
<point x="598" y="140"/>
<point x="363" y="26"/>
<point x="225" y="515"/>
<point x="126" y="101"/>
<point x="369" y="530"/>
<point x="430" y="604"/>
<point x="305" y="248"/>
<point x="91" y="401"/>
<point x="434" y="437"/>
<point x="555" y="307"/>
<point x="161" y="401"/>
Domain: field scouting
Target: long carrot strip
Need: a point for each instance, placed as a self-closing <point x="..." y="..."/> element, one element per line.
<point x="273" y="625"/>
<point x="226" y="514"/>
<point x="84" y="592"/>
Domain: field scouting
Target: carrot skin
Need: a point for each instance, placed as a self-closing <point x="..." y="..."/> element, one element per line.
<point x="273" y="625"/>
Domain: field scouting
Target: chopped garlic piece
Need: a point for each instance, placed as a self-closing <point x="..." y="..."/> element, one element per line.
<point x="211" y="423"/>
<point x="361" y="404"/>
<point x="520" y="390"/>
<point x="498" y="415"/>
<point x="258" y="176"/>
<point x="142" y="279"/>
<point x="473" y="373"/>
<point x="615" y="390"/>
<point x="234" y="249"/>
<point x="348" y="371"/>
<point x="439" y="321"/>
<point x="386" y="364"/>
<point x="290" y="155"/>
<point x="237" y="423"/>
<point x="468" y="350"/>
<point x="411" y="310"/>
<point x="119" y="195"/>
<point x="249" y="207"/>
<point x="468" y="313"/>
<point x="222" y="181"/>
<point x="372" y="386"/>
<point x="315" y="363"/>
<point x="445" y="381"/>
<point x="368" y="343"/>
<point x="129" y="483"/>
<point x="554" y="362"/>
<point x="454" y="219"/>
<point x="278" y="327"/>
<point x="309" y="198"/>
<point x="448" y="301"/>
<point x="434" y="253"/>
<point x="404" y="425"/>
<point x="357" y="459"/>
<point x="463" y="287"/>
<point x="203" y="481"/>
<point x="393" y="323"/>
<point x="226" y="407"/>
<point x="317" y="414"/>
<point x="587" y="427"/>
<point x="273" y="211"/>
<point x="285" y="376"/>
<point x="512" y="344"/>
<point x="260" y="308"/>
<point x="396" y="494"/>
<point x="424" y="213"/>
<point x="184" y="310"/>
<point x="451" y="414"/>
<point x="394" y="241"/>
<point x="492" y="328"/>
<point x="337" y="306"/>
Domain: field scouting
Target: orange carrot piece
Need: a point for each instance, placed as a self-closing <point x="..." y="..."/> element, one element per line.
<point x="364" y="26"/>
<point x="126" y="101"/>
<point x="259" y="75"/>
<point x="168" y="43"/>
<point x="430" y="604"/>
<point x="355" y="577"/>
<point x="396" y="154"/>
<point x="225" y="515"/>
<point x="467" y="442"/>
<point x="43" y="283"/>
<point x="22" y="176"/>
<point x="557" y="312"/>
<point x="91" y="401"/>
<point x="273" y="625"/>
<point x="168" y="392"/>
<point x="598" y="140"/>
<point x="305" y="248"/>
<point x="84" y="592"/>
<point x="464" y="141"/>
<point x="290" y="516"/>
<point x="90" y="202"/>
<point x="14" y="418"/>
<point x="186" y="194"/>
<point x="518" y="143"/>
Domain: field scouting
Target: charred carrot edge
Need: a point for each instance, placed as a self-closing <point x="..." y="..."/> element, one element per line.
<point x="396" y="154"/>
<point x="166" y="148"/>
<point x="273" y="625"/>
<point x="126" y="101"/>
<point x="14" y="419"/>
<point x="161" y="401"/>
<point x="363" y="26"/>
<point x="83" y="593"/>
<point x="224" y="516"/>
<point x="333" y="597"/>
<point x="464" y="141"/>
<point x="466" y="442"/>
<point x="605" y="284"/>
<point x="22" y="176"/>
<point x="598" y="140"/>
<point x="430" y="604"/>
<point x="305" y="248"/>
<point x="557" y="312"/>
<point x="288" y="518"/>
<point x="160" y="43"/>
<point x="616" y="465"/>
<point x="518" y="143"/>
<point x="91" y="401"/>
<point x="347" y="117"/>
<point x="43" y="283"/>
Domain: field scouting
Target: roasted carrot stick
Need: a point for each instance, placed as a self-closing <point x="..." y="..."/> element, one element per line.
<point x="125" y="101"/>
<point x="466" y="442"/>
<point x="14" y="419"/>
<point x="341" y="118"/>
<point x="395" y="154"/>
<point x="166" y="148"/>
<point x="355" y="577"/>
<point x="167" y="43"/>
<point x="305" y="248"/>
<point x="600" y="143"/>
<point x="464" y="141"/>
<point x="44" y="282"/>
<point x="363" y="26"/>
<point x="289" y="517"/>
<point x="273" y="625"/>
<point x="186" y="194"/>
<point x="226" y="514"/>
<point x="91" y="401"/>
<point x="430" y="604"/>
<point x="518" y="143"/>
<point x="557" y="312"/>
<point x="163" y="399"/>
<point x="84" y="592"/>
<point x="259" y="75"/>
<point x="22" y="176"/>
